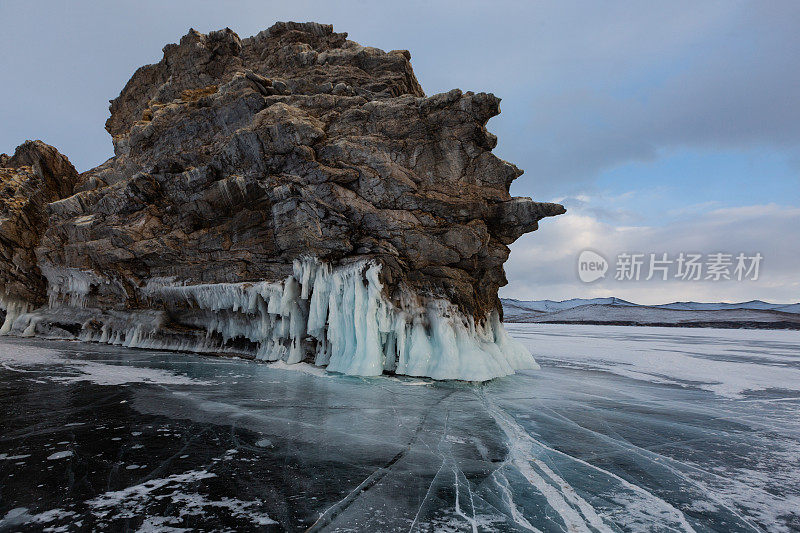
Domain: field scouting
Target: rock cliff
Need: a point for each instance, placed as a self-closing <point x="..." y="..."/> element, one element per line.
<point x="33" y="177"/>
<point x="293" y="195"/>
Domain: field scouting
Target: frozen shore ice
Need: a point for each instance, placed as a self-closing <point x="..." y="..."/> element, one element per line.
<point x="339" y="318"/>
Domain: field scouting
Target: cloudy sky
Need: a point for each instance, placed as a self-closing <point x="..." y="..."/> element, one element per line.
<point x="664" y="127"/>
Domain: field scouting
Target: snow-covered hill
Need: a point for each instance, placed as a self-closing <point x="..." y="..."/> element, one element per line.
<point x="549" y="306"/>
<point x="752" y="314"/>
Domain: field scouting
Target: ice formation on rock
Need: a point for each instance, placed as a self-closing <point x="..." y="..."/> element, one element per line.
<point x="13" y="310"/>
<point x="339" y="318"/>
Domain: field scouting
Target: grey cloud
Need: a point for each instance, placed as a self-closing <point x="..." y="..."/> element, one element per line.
<point x="732" y="83"/>
<point x="586" y="86"/>
<point x="543" y="264"/>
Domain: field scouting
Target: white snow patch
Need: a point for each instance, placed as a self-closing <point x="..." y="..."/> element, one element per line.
<point x="21" y="515"/>
<point x="113" y="501"/>
<point x="305" y="368"/>
<point x="161" y="524"/>
<point x="134" y="500"/>
<point x="20" y="357"/>
<point x="6" y="457"/>
<point x="103" y="374"/>
<point x="60" y="455"/>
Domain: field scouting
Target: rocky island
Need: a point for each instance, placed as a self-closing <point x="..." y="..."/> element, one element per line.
<point x="290" y="196"/>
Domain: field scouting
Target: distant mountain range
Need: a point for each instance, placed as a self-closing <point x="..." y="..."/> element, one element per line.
<point x="614" y="311"/>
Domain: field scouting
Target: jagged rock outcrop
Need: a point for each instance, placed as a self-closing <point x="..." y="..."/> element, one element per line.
<point x="291" y="155"/>
<point x="29" y="180"/>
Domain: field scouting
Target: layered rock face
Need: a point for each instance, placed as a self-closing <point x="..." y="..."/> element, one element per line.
<point x="293" y="195"/>
<point x="29" y="180"/>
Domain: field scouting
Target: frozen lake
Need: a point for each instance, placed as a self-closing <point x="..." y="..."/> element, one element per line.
<point x="623" y="429"/>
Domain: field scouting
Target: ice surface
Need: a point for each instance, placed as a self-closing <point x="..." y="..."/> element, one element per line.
<point x="729" y="363"/>
<point x="602" y="438"/>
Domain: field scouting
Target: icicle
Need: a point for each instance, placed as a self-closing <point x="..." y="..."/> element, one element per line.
<point x="336" y="317"/>
<point x="69" y="285"/>
<point x="14" y="309"/>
